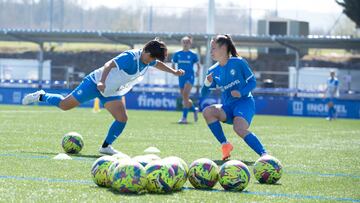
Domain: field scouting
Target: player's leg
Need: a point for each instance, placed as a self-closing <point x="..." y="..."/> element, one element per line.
<point x="243" y="114"/>
<point x="213" y="115"/>
<point x="188" y="103"/>
<point x="330" y="105"/>
<point x="85" y="91"/>
<point x="118" y="111"/>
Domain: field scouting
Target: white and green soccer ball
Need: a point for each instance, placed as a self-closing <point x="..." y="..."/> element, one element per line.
<point x="268" y="169"/>
<point x="129" y="177"/>
<point x="234" y="175"/>
<point x="160" y="177"/>
<point x="203" y="173"/>
<point x="143" y="160"/>
<point x="72" y="142"/>
<point x="120" y="156"/>
<point x="180" y="169"/>
<point x="100" y="171"/>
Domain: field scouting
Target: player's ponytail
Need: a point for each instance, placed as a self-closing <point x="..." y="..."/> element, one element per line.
<point x="226" y="40"/>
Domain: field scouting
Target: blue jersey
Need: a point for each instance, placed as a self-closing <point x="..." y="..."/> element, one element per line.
<point x="234" y="75"/>
<point x="185" y="61"/>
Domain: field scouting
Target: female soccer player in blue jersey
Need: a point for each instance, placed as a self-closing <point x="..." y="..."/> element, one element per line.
<point x="185" y="60"/>
<point x="234" y="77"/>
<point x="109" y="83"/>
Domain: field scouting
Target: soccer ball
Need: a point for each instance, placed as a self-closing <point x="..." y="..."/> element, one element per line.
<point x="160" y="177"/>
<point x="100" y="171"/>
<point x="234" y="175"/>
<point x="152" y="157"/>
<point x="143" y="160"/>
<point x="203" y="173"/>
<point x="111" y="170"/>
<point x="72" y="143"/>
<point x="180" y="169"/>
<point x="120" y="156"/>
<point x="268" y="169"/>
<point x="129" y="177"/>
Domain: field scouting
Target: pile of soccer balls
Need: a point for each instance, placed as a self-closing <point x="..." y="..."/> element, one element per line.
<point x="153" y="174"/>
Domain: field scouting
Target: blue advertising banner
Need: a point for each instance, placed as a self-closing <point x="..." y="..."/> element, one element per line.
<point x="270" y="105"/>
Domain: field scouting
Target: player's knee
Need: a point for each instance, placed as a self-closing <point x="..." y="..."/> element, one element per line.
<point x="122" y="118"/>
<point x="240" y="131"/>
<point x="65" y="107"/>
<point x="208" y="112"/>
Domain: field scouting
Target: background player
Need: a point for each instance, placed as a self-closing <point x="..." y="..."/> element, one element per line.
<point x="185" y="60"/>
<point x="109" y="83"/>
<point x="234" y="77"/>
<point x="331" y="92"/>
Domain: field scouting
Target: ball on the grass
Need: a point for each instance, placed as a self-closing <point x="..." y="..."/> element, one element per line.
<point x="129" y="177"/>
<point x="160" y="177"/>
<point x="268" y="169"/>
<point x="234" y="175"/>
<point x="180" y="169"/>
<point x="203" y="173"/>
<point x="100" y="170"/>
<point x="143" y="160"/>
<point x="72" y="142"/>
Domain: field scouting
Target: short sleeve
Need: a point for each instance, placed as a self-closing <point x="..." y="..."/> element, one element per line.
<point x="123" y="61"/>
<point x="195" y="59"/>
<point x="175" y="58"/>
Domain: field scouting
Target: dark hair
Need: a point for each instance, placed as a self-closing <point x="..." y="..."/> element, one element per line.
<point x="226" y="40"/>
<point x="156" y="48"/>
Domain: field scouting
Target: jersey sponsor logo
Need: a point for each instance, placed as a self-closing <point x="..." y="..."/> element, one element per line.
<point x="233" y="83"/>
<point x="188" y="56"/>
<point x="184" y="61"/>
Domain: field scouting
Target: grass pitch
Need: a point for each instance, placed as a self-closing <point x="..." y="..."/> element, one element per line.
<point x="320" y="158"/>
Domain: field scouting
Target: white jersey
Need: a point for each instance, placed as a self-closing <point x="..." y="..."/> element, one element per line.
<point x="119" y="81"/>
<point x="332" y="89"/>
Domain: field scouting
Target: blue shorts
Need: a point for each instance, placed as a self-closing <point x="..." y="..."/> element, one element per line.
<point x="244" y="108"/>
<point x="87" y="90"/>
<point x="186" y="79"/>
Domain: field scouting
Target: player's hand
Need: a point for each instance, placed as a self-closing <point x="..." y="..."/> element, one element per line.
<point x="179" y="72"/>
<point x="101" y="86"/>
<point x="235" y="93"/>
<point x="208" y="80"/>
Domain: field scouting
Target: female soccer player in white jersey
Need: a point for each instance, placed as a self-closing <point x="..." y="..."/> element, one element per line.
<point x="185" y="60"/>
<point x="234" y="77"/>
<point x="109" y="83"/>
<point x="331" y="93"/>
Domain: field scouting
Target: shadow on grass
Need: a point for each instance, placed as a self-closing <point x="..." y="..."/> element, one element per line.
<point x="267" y="184"/>
<point x="54" y="154"/>
<point x="221" y="162"/>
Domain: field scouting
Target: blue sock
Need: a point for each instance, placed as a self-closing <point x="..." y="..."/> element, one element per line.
<point x="192" y="108"/>
<point x="53" y="99"/>
<point x="185" y="112"/>
<point x="333" y="112"/>
<point x="218" y="131"/>
<point x="254" y="143"/>
<point x="330" y="112"/>
<point x="115" y="130"/>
